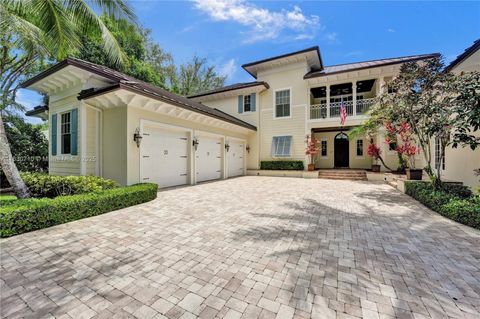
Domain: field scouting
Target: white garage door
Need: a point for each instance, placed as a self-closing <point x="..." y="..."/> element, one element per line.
<point x="209" y="158"/>
<point x="164" y="156"/>
<point x="235" y="158"/>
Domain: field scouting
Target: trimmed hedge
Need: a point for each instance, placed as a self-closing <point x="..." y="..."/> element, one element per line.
<point x="25" y="215"/>
<point x="451" y="201"/>
<point x="282" y="165"/>
<point x="44" y="185"/>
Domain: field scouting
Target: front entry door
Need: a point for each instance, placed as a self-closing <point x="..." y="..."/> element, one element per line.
<point x="341" y="150"/>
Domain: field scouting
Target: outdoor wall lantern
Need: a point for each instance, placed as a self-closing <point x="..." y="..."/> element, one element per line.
<point x="195" y="143"/>
<point x="248" y="148"/>
<point x="227" y="146"/>
<point x="137" y="137"/>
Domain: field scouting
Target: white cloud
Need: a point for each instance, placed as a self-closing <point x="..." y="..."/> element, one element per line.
<point x="228" y="69"/>
<point x="391" y="30"/>
<point x="332" y="37"/>
<point x="263" y="23"/>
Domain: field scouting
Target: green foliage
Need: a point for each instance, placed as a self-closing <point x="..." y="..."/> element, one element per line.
<point x="453" y="201"/>
<point x="196" y="76"/>
<point x="28" y="144"/>
<point x="44" y="185"/>
<point x="282" y="165"/>
<point x="7" y="199"/>
<point x="25" y="215"/>
<point x="138" y="48"/>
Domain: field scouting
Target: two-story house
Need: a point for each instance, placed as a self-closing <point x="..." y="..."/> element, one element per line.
<point x="105" y="123"/>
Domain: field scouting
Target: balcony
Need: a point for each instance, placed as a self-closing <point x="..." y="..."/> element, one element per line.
<point x="357" y="96"/>
<point x="320" y="111"/>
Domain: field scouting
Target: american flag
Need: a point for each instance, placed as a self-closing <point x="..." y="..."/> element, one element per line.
<point x="343" y="114"/>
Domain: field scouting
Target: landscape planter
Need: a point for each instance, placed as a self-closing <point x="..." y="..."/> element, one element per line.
<point x="375" y="168"/>
<point x="414" y="174"/>
<point x="311" y="167"/>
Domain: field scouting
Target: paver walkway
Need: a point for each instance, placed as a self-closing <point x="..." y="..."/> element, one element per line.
<point x="250" y="247"/>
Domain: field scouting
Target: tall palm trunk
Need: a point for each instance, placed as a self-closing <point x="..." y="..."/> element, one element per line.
<point x="8" y="165"/>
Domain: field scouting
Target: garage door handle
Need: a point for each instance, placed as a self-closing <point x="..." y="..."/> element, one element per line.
<point x="146" y="134"/>
<point x="145" y="156"/>
<point x="219" y="157"/>
<point x="183" y="138"/>
<point x="219" y="171"/>
<point x="183" y="174"/>
<point x="183" y="156"/>
<point x="145" y="178"/>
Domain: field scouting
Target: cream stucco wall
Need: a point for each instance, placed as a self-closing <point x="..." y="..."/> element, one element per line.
<point x="288" y="77"/>
<point x="363" y="162"/>
<point x="471" y="63"/>
<point x="114" y="144"/>
<point x="460" y="162"/>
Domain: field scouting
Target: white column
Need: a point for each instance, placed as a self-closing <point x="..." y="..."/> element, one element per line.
<point x="354" y="99"/>
<point x="381" y="85"/>
<point x="83" y="138"/>
<point x="328" y="100"/>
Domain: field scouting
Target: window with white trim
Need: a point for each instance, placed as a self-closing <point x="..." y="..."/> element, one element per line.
<point x="282" y="103"/>
<point x="247" y="103"/>
<point x="65" y="132"/>
<point x="439" y="158"/>
<point x="359" y="148"/>
<point x="323" y="148"/>
<point x="281" y="146"/>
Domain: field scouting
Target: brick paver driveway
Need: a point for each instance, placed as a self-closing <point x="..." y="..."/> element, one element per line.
<point x="250" y="247"/>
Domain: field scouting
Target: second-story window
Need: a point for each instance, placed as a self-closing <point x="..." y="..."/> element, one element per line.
<point x="247" y="103"/>
<point x="282" y="103"/>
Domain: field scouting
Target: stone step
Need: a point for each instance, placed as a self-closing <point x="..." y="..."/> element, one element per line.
<point x="348" y="178"/>
<point x="357" y="175"/>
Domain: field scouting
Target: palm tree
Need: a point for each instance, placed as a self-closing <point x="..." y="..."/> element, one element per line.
<point x="33" y="30"/>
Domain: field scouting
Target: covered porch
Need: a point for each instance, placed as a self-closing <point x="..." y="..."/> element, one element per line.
<point x="357" y="97"/>
<point x="339" y="151"/>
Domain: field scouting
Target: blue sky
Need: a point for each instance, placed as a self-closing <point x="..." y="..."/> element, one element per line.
<point x="231" y="33"/>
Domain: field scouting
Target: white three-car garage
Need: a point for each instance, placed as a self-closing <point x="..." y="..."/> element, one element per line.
<point x="174" y="155"/>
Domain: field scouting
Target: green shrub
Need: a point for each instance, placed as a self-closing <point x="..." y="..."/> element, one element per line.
<point x="451" y="201"/>
<point x="44" y="185"/>
<point x="25" y="215"/>
<point x="7" y="199"/>
<point x="282" y="165"/>
<point x="457" y="190"/>
<point x="465" y="211"/>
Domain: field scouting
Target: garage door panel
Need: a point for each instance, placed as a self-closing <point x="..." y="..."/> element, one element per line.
<point x="164" y="156"/>
<point x="235" y="159"/>
<point x="209" y="158"/>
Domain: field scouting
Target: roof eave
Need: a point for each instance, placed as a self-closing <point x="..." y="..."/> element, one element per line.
<point x="265" y="84"/>
<point x="467" y="53"/>
<point x="314" y="48"/>
<point x="124" y="86"/>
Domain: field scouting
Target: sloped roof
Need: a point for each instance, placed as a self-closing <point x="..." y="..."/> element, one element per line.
<point x="313" y="57"/>
<point x="232" y="87"/>
<point x="132" y="84"/>
<point x="340" y="68"/>
<point x="468" y="52"/>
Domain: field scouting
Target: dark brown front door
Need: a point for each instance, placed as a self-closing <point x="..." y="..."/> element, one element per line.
<point x="341" y="150"/>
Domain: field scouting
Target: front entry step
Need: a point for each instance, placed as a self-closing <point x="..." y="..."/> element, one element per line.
<point x="344" y="174"/>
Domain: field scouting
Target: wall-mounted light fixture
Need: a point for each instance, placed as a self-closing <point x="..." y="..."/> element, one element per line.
<point x="195" y="143"/>
<point x="248" y="148"/>
<point x="137" y="137"/>
<point x="227" y="146"/>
